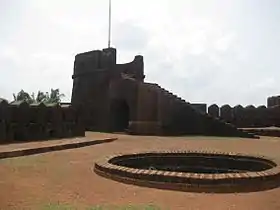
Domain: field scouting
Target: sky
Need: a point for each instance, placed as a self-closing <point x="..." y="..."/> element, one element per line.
<point x="205" y="51"/>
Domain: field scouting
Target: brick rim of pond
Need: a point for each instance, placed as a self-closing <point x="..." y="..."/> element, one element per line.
<point x="127" y="168"/>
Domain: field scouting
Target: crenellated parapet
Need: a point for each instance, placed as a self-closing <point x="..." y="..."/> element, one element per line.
<point x="248" y="116"/>
<point x="20" y="121"/>
<point x="134" y="69"/>
<point x="273" y="101"/>
<point x="114" y="97"/>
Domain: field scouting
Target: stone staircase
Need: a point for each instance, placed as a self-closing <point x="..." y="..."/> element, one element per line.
<point x="177" y="117"/>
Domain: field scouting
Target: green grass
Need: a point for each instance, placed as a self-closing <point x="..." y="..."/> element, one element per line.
<point x="102" y="207"/>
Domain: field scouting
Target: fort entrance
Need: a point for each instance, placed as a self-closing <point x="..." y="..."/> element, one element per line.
<point x="120" y="115"/>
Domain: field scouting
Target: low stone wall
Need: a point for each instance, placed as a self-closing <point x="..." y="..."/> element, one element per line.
<point x="264" y="131"/>
<point x="20" y="121"/>
<point x="53" y="147"/>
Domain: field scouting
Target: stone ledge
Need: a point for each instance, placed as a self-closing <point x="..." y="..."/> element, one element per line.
<point x="195" y="182"/>
<point x="263" y="132"/>
<point x="52" y="148"/>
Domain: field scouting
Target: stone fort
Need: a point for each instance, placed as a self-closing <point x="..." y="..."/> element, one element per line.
<point x="111" y="97"/>
<point x="115" y="98"/>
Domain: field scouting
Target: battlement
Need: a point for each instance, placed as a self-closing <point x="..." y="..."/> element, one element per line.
<point x="20" y="121"/>
<point x="248" y="116"/>
<point x="134" y="69"/>
<point x="94" y="60"/>
<point x="273" y="101"/>
<point x="97" y="61"/>
<point x="113" y="96"/>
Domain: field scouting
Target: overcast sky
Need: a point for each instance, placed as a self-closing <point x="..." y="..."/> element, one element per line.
<point x="213" y="51"/>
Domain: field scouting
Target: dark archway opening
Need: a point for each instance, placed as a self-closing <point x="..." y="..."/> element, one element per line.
<point x="120" y="115"/>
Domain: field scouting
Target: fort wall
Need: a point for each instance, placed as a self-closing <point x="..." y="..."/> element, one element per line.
<point x="20" y="121"/>
<point x="273" y="101"/>
<point x="114" y="97"/>
<point x="247" y="117"/>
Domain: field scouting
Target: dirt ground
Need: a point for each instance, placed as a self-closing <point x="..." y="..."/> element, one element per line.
<point x="67" y="177"/>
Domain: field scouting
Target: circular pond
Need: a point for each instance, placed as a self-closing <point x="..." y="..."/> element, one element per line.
<point x="192" y="171"/>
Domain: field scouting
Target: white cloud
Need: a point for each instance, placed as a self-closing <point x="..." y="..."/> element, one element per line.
<point x="212" y="51"/>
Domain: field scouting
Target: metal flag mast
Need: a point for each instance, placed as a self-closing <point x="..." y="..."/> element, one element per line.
<point x="109" y="32"/>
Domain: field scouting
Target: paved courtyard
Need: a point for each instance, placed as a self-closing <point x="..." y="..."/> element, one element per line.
<point x="66" y="177"/>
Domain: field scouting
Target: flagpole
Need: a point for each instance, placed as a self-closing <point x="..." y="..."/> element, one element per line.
<point x="109" y="32"/>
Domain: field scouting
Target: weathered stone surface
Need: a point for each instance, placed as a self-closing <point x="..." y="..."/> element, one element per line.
<point x="4" y="110"/>
<point x="261" y="118"/>
<point x="202" y="108"/>
<point x="275" y="116"/>
<point x="54" y="121"/>
<point x="3" y="132"/>
<point x="238" y="116"/>
<point x="226" y="113"/>
<point x="273" y="101"/>
<point x="250" y="116"/>
<point x="38" y="113"/>
<point x="114" y="97"/>
<point x="20" y="112"/>
<point x="214" y="110"/>
<point x="20" y="121"/>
